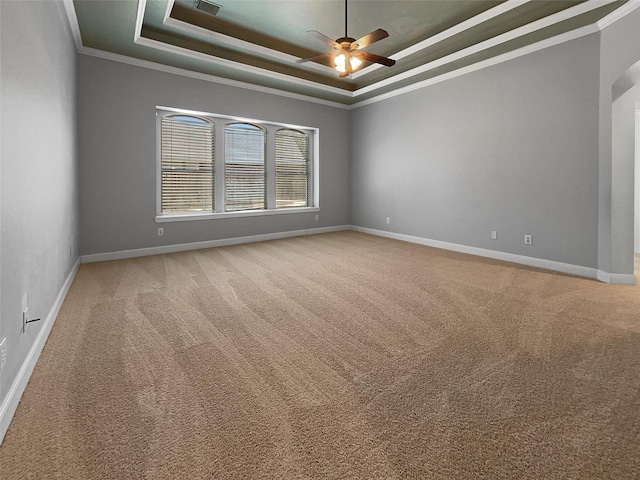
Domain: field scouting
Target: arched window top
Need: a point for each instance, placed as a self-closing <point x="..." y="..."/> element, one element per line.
<point x="218" y="164"/>
<point x="190" y="119"/>
<point x="187" y="156"/>
<point x="291" y="131"/>
<point x="292" y="145"/>
<point x="292" y="168"/>
<point x="245" y="126"/>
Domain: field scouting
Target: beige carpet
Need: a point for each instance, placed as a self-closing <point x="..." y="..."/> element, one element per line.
<point x="337" y="356"/>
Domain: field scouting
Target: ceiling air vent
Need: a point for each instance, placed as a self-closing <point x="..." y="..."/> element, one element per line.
<point x="207" y="6"/>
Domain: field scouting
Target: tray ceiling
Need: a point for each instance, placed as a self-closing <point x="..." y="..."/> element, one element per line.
<point x="257" y="42"/>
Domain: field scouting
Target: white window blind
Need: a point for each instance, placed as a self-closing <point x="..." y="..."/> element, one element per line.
<point x="187" y="164"/>
<point x="292" y="168"/>
<point x="244" y="149"/>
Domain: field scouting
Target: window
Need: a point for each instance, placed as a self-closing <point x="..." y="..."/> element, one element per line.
<point x="212" y="166"/>
<point x="244" y="167"/>
<point x="187" y="164"/>
<point x="292" y="168"/>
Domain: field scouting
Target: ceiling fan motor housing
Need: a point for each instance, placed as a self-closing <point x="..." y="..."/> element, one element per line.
<point x="347" y="40"/>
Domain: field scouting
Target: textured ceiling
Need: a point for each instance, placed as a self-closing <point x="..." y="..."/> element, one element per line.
<point x="258" y="41"/>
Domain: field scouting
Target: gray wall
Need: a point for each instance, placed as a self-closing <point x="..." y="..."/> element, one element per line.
<point x="636" y="228"/>
<point x="512" y="148"/>
<point x="619" y="51"/>
<point x="39" y="193"/>
<point x="622" y="157"/>
<point x="117" y="148"/>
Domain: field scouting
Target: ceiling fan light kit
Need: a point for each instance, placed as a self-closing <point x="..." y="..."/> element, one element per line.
<point x="350" y="55"/>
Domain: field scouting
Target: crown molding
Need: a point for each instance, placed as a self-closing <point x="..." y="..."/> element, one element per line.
<point x="492" y="42"/>
<point x="561" y="16"/>
<point x="534" y="47"/>
<point x="617" y="14"/>
<point x="147" y="42"/>
<point x="232" y="41"/>
<point x="510" y="4"/>
<point x="450" y="32"/>
<point x="73" y="23"/>
<point x="116" y="57"/>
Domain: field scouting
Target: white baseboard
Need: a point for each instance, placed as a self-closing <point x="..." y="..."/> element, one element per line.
<point x="11" y="400"/>
<point x="617" y="278"/>
<point x="483" y="252"/>
<point x="10" y="403"/>
<point x="181" y="247"/>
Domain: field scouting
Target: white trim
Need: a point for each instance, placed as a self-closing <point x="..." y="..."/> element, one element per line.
<point x="73" y="23"/>
<point x="499" y="39"/>
<point x="492" y="42"/>
<point x="11" y="400"/>
<point x="10" y="403"/>
<point x="614" y="16"/>
<point x="142" y="5"/>
<point x="450" y="32"/>
<point x="576" y="10"/>
<point x="181" y="247"/>
<point x="252" y="47"/>
<point x="617" y="14"/>
<point x="243" y="67"/>
<point x="617" y="278"/>
<point x="553" y="266"/>
<point x="116" y="57"/>
<point x="235" y="118"/>
<point x="220" y="121"/>
<point x="148" y="42"/>
<point x="167" y="12"/>
<point x="534" y="47"/>
<point x="483" y="252"/>
<point x="188" y="217"/>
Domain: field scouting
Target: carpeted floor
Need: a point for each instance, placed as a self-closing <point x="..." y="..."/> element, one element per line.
<point x="335" y="356"/>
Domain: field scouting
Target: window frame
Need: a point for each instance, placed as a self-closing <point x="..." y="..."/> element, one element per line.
<point x="221" y="122"/>
<point x="188" y="159"/>
<point x="287" y="164"/>
<point x="229" y="198"/>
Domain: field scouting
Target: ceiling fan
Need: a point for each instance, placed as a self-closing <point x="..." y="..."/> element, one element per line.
<point x="348" y="55"/>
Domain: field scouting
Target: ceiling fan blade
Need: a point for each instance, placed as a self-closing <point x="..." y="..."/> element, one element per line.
<point x="324" y="38"/>
<point x="372" y="57"/>
<point x="369" y="38"/>
<point x="315" y="57"/>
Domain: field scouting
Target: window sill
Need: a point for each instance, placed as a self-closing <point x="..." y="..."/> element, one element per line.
<point x="188" y="217"/>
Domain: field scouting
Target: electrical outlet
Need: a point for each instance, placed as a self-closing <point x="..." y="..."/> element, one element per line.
<point x="528" y="239"/>
<point x="25" y="309"/>
<point x="160" y="231"/>
<point x="388" y="220"/>
<point x="25" y="319"/>
<point x="3" y="353"/>
<point x="494" y="234"/>
<point x="317" y="218"/>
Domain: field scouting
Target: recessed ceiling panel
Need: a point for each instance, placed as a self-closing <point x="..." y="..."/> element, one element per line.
<point x="258" y="41"/>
